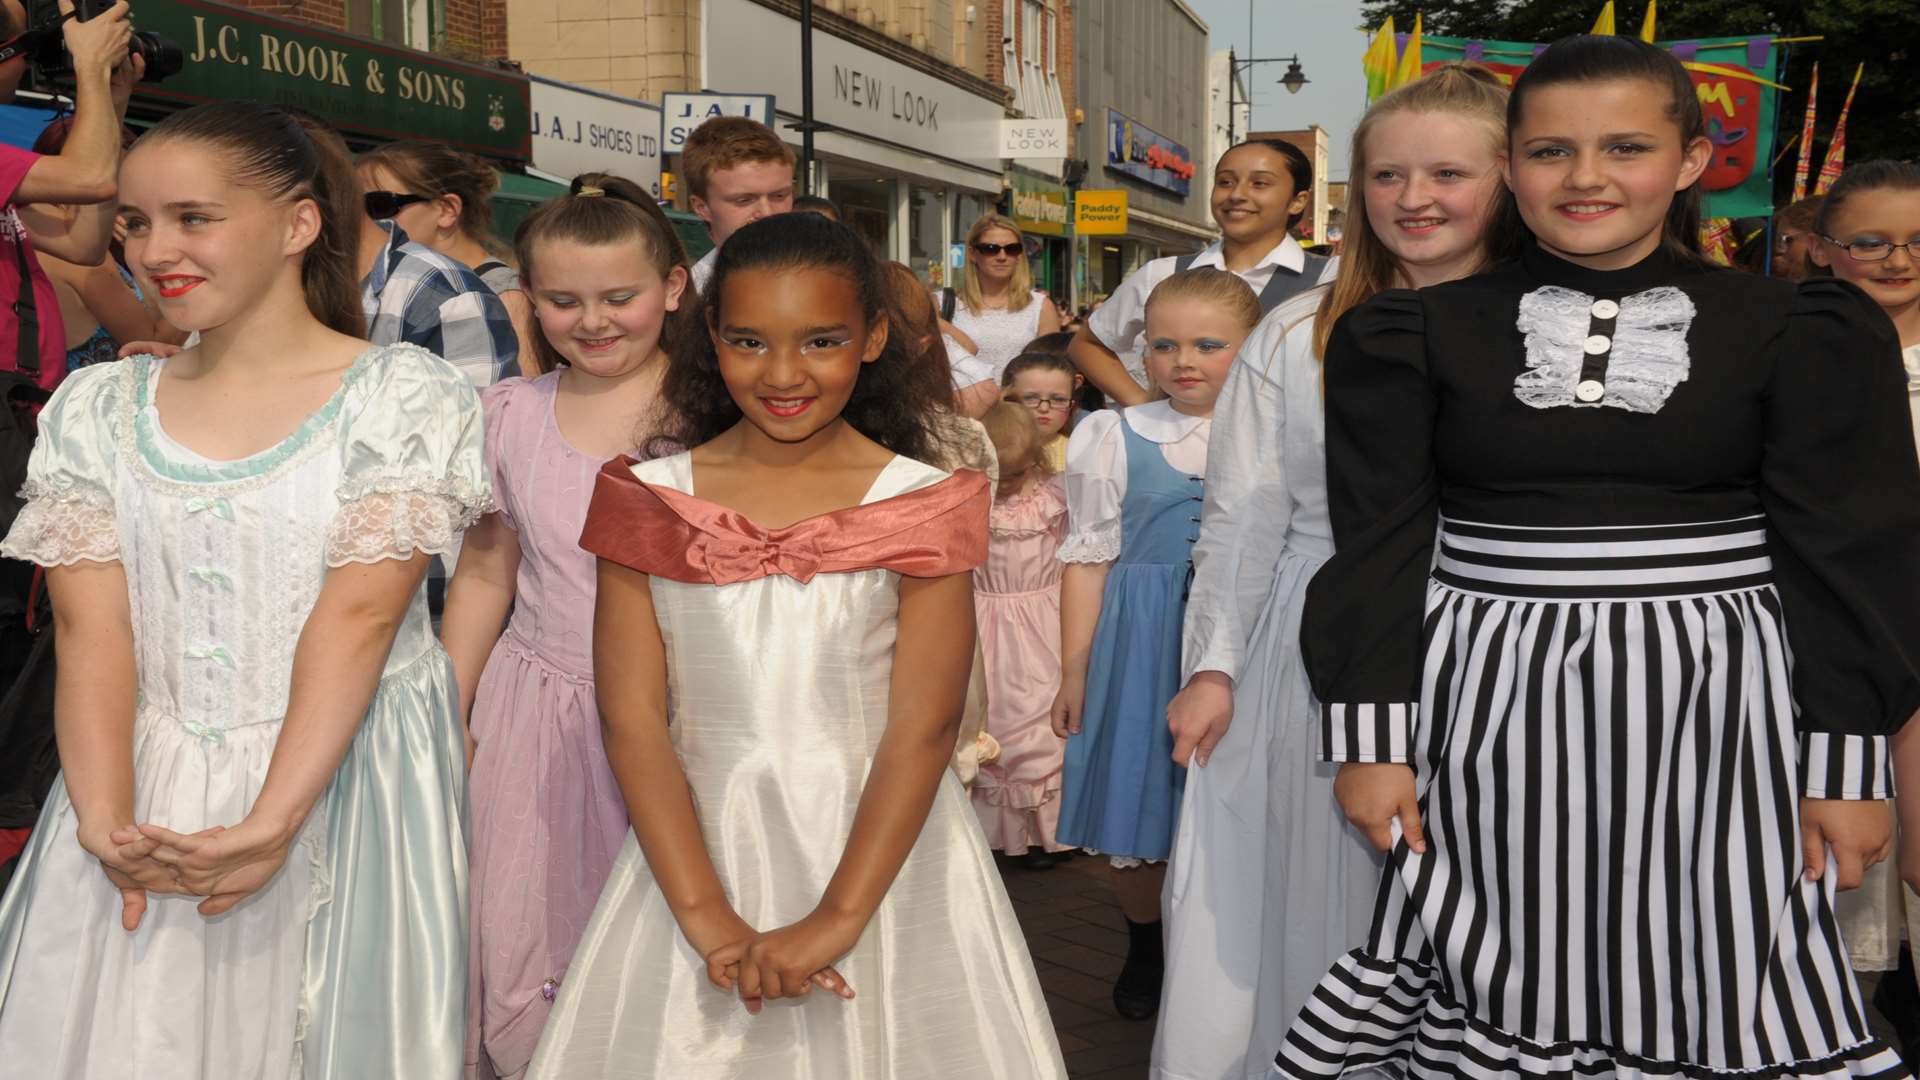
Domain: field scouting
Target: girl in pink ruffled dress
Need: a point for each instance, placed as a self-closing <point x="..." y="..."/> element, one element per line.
<point x="607" y="277"/>
<point x="1016" y="597"/>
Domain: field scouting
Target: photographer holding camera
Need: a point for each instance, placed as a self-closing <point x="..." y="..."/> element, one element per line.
<point x="32" y="339"/>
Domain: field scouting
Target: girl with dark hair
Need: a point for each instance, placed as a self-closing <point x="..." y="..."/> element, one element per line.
<point x="1260" y="190"/>
<point x="442" y="198"/>
<point x="609" y="283"/>
<point x="254" y="863"/>
<point x="1621" y="727"/>
<point x="797" y="586"/>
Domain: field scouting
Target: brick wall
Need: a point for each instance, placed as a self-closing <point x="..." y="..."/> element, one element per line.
<point x="476" y="29"/>
<point x="996" y="30"/>
<point x="1063" y="62"/>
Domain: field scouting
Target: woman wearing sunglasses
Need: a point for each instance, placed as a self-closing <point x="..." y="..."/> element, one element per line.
<point x="997" y="306"/>
<point x="439" y="197"/>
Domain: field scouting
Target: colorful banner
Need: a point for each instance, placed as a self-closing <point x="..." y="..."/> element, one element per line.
<point x="1733" y="78"/>
<point x="1137" y="150"/>
<point x="1836" y="159"/>
<point x="1802" y="167"/>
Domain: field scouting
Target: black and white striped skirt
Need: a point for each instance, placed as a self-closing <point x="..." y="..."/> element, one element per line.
<point x="1606" y="758"/>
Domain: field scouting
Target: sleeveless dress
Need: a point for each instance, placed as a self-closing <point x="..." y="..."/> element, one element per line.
<point x="547" y="815"/>
<point x="351" y="962"/>
<point x="1121" y="789"/>
<point x="1268" y="883"/>
<point x="1016" y="599"/>
<point x="998" y="334"/>
<point x="779" y="663"/>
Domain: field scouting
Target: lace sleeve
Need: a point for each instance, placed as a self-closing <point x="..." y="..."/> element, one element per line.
<point x="68" y="516"/>
<point x="414" y="476"/>
<point x="406" y="517"/>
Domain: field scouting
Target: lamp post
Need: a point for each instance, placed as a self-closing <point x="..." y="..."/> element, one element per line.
<point x="1293" y="80"/>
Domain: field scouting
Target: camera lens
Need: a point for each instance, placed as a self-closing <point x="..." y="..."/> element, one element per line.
<point x="164" y="58"/>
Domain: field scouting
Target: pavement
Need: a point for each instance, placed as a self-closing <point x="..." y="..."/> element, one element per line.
<point x="1078" y="940"/>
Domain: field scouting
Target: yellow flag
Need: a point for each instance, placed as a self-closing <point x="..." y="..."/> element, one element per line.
<point x="1377" y="61"/>
<point x="1646" y="24"/>
<point x="1604" y="24"/>
<point x="1409" y="69"/>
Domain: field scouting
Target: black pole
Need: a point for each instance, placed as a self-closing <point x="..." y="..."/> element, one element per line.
<point x="806" y="96"/>
<point x="1233" y="83"/>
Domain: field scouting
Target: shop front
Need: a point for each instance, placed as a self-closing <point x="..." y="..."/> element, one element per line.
<point x="909" y="157"/>
<point x="1044" y="212"/>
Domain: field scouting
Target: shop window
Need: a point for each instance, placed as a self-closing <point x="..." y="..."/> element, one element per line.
<point x="419" y="24"/>
<point x="926" y="239"/>
<point x="866" y="205"/>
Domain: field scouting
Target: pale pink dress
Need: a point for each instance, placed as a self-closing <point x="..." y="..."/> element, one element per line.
<point x="1016" y="599"/>
<point x="546" y="812"/>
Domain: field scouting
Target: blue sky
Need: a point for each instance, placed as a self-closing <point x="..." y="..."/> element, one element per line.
<point x="1325" y="36"/>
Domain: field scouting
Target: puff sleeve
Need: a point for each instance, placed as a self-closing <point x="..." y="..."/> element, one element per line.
<point x="69" y="513"/>
<point x="1841" y="488"/>
<point x="1244" y="519"/>
<point x="1096" y="486"/>
<point x="499" y="404"/>
<point x="1361" y="628"/>
<point x="414" y="474"/>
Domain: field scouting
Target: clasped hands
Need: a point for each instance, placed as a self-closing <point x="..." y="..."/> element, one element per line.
<point x="224" y="865"/>
<point x="788" y="962"/>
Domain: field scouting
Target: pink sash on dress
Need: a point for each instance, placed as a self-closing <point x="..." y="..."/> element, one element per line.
<point x="930" y="532"/>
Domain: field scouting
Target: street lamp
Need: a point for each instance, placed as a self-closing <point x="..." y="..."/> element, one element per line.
<point x="1293" y="80"/>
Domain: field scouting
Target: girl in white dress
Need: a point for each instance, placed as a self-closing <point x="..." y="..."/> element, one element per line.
<point x="1268" y="885"/>
<point x="996" y="308"/>
<point x="253" y="865"/>
<point x="783" y="634"/>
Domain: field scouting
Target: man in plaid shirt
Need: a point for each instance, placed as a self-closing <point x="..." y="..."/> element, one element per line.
<point x="417" y="295"/>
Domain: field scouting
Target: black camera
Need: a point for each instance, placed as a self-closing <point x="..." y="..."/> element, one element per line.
<point x="44" y="47"/>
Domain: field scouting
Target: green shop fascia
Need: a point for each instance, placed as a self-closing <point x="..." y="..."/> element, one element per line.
<point x="373" y="91"/>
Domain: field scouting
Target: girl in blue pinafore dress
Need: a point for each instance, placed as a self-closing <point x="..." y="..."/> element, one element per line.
<point x="1134" y="492"/>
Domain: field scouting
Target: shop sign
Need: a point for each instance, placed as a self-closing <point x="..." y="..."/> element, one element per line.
<point x="750" y="46"/>
<point x="1146" y="155"/>
<point x="576" y="130"/>
<point x="1040" y="207"/>
<point x="681" y="113"/>
<point x="1100" y="213"/>
<point x="1033" y="138"/>
<point x="364" y="87"/>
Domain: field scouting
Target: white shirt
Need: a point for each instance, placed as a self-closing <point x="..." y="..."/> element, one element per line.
<point x="1266" y="487"/>
<point x="1121" y="320"/>
<point x="967" y="368"/>
<point x="703" y="270"/>
<point x="1911" y="357"/>
<point x="1097" y="471"/>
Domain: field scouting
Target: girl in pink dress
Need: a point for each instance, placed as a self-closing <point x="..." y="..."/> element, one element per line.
<point x="606" y="275"/>
<point x="1016" y="596"/>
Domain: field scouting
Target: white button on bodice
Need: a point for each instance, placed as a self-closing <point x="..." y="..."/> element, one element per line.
<point x="1605" y="309"/>
<point x="1598" y="344"/>
<point x="1590" y="390"/>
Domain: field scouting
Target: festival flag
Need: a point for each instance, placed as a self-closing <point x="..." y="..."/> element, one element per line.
<point x="1805" y="164"/>
<point x="1646" y="24"/>
<point x="1716" y="239"/>
<point x="1837" y="146"/>
<point x="1377" y="61"/>
<point x="1409" y="69"/>
<point x="1604" y="24"/>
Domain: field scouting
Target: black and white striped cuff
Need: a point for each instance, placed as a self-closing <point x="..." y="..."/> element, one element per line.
<point x="1377" y="734"/>
<point x="1835" y="766"/>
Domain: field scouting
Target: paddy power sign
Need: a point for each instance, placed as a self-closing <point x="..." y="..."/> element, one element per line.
<point x="1736" y="80"/>
<point x="366" y="87"/>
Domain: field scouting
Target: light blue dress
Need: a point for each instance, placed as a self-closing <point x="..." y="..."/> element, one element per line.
<point x="1121" y="790"/>
<point x="350" y="963"/>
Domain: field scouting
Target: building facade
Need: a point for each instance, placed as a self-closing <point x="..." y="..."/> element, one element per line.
<point x="1143" y="83"/>
<point x="461" y="29"/>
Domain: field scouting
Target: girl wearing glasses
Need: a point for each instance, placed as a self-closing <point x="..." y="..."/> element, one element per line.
<point x="996" y="306"/>
<point x="441" y="198"/>
<point x="1867" y="233"/>
<point x="1045" y="383"/>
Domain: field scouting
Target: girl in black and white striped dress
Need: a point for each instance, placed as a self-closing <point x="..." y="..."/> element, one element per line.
<point x="1622" y="733"/>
